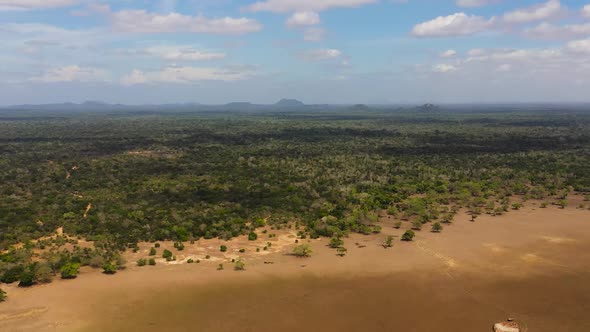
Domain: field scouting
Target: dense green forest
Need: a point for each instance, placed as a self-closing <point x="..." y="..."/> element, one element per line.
<point x="124" y="177"/>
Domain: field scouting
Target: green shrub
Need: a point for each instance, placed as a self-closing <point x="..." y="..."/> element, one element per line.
<point x="167" y="254"/>
<point x="157" y="245"/>
<point x="397" y="225"/>
<point x="109" y="268"/>
<point x="152" y="262"/>
<point x="252" y="236"/>
<point x="70" y="270"/>
<point x="239" y="265"/>
<point x="341" y="251"/>
<point x="408" y="235"/>
<point x="190" y="261"/>
<point x="141" y="262"/>
<point x="223" y="248"/>
<point x="437" y="227"/>
<point x="242" y="250"/>
<point x="2" y="295"/>
<point x="336" y="242"/>
<point x="153" y="251"/>
<point x="302" y="250"/>
<point x="13" y="274"/>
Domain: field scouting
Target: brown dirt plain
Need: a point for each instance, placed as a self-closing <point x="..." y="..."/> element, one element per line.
<point x="532" y="264"/>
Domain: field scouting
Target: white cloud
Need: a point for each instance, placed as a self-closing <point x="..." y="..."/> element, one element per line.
<point x="443" y="68"/>
<point x="322" y="54"/>
<point x="448" y="54"/>
<point x="586" y="11"/>
<point x="134" y="78"/>
<point x="183" y="53"/>
<point x="303" y="18"/>
<point x="503" y="68"/>
<point x="284" y="6"/>
<point x="475" y="3"/>
<point x="73" y="73"/>
<point x="549" y="31"/>
<point x="143" y="22"/>
<point x="185" y="75"/>
<point x="579" y="46"/>
<point x="458" y="24"/>
<point x="34" y="4"/>
<point x="314" y="34"/>
<point x="544" y="11"/>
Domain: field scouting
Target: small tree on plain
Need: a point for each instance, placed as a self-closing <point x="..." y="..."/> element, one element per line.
<point x="302" y="250"/>
<point x="408" y="236"/>
<point x="437" y="227"/>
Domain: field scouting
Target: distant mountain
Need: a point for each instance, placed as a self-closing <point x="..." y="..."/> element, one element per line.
<point x="289" y="103"/>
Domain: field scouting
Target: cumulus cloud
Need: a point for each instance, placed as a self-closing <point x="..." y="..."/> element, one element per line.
<point x="544" y="11"/>
<point x="183" y="53"/>
<point x="549" y="31"/>
<point x="285" y="6"/>
<point x="35" y="4"/>
<point x="321" y="54"/>
<point x="141" y="21"/>
<point x="459" y="24"/>
<point x="475" y="3"/>
<point x="186" y="75"/>
<point x="303" y="18"/>
<point x="579" y="46"/>
<point x="443" y="68"/>
<point x="448" y="54"/>
<point x="586" y="11"/>
<point x="72" y="73"/>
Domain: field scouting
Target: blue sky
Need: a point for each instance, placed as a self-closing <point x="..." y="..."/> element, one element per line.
<point x="318" y="51"/>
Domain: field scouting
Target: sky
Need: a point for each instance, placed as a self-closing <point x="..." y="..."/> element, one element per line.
<point x="317" y="51"/>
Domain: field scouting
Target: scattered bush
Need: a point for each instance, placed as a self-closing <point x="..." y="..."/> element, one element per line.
<point x="242" y="250"/>
<point x="157" y="245"/>
<point x="397" y="225"/>
<point x="408" y="236"/>
<point x="223" y="248"/>
<point x="437" y="227"/>
<point x="336" y="242"/>
<point x="141" y="262"/>
<point x="109" y="268"/>
<point x="388" y="242"/>
<point x="70" y="270"/>
<point x="190" y="261"/>
<point x="302" y="250"/>
<point x="167" y="254"/>
<point x="2" y="295"/>
<point x="252" y="236"/>
<point x="152" y="262"/>
<point x="239" y="265"/>
<point x="153" y="251"/>
<point x="341" y="251"/>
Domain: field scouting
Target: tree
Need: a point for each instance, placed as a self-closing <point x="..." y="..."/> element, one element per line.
<point x="408" y="236"/>
<point x="336" y="242"/>
<point x="12" y="274"/>
<point x="27" y="278"/>
<point x="109" y="268"/>
<point x="167" y="254"/>
<point x="388" y="242"/>
<point x="417" y="225"/>
<point x="70" y="271"/>
<point x="302" y="250"/>
<point x="252" y="236"/>
<point x="239" y="265"/>
<point x="437" y="227"/>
